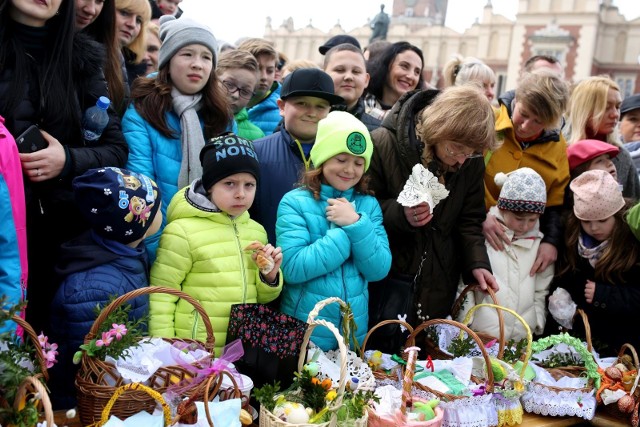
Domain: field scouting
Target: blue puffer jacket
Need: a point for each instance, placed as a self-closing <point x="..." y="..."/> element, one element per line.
<point x="266" y="113"/>
<point x="322" y="260"/>
<point x="93" y="270"/>
<point x="156" y="156"/>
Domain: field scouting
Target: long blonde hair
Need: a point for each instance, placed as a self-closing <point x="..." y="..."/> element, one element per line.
<point x="587" y="107"/>
<point x="142" y="8"/>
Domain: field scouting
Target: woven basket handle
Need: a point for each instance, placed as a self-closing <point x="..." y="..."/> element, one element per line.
<point x="527" y="354"/>
<point x="93" y="332"/>
<point x="379" y="325"/>
<point x="587" y="328"/>
<point x="457" y="306"/>
<point x="469" y="332"/>
<point x="134" y="386"/>
<point x="630" y="349"/>
<point x="209" y="393"/>
<point x="36" y="345"/>
<point x="34" y="383"/>
<point x="337" y="403"/>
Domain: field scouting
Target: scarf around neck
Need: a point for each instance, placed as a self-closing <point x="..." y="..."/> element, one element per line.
<point x="192" y="138"/>
<point x="587" y="248"/>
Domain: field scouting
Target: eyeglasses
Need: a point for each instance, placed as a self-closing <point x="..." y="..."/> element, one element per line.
<point x="233" y="88"/>
<point x="453" y="154"/>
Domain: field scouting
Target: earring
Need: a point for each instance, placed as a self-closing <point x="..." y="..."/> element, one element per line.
<point x="58" y="12"/>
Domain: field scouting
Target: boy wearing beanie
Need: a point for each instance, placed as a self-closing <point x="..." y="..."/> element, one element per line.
<point x="306" y="97"/>
<point x="122" y="207"/>
<point x="522" y="201"/>
<point x="331" y="233"/>
<point x="210" y="247"/>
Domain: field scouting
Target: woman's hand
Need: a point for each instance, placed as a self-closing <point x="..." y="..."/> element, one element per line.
<point x="276" y="254"/>
<point x="419" y="215"/>
<point x="547" y="255"/>
<point x="485" y="279"/>
<point x="589" y="291"/>
<point x="494" y="233"/>
<point x="44" y="164"/>
<point x="341" y="212"/>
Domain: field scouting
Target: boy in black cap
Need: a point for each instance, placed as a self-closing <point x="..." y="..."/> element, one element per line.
<point x="336" y="40"/>
<point x="122" y="207"/>
<point x="306" y="97"/>
<point x="210" y="247"/>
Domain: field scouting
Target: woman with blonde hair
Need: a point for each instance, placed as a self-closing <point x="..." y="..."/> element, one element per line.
<point x="132" y="19"/>
<point x="594" y="111"/>
<point x="445" y="132"/>
<point x="459" y="71"/>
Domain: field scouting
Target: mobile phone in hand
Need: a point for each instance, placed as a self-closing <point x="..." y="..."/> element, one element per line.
<point x="31" y="140"/>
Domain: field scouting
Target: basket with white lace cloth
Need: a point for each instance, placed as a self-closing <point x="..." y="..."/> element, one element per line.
<point x="560" y="392"/>
<point x="476" y="410"/>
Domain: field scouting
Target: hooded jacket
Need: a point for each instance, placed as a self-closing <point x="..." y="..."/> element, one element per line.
<point x="452" y="240"/>
<point x="202" y="253"/>
<point x="547" y="155"/>
<point x="93" y="270"/>
<point x="518" y="291"/>
<point x="246" y="129"/>
<point x="322" y="260"/>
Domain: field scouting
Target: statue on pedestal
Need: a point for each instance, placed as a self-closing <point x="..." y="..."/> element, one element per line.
<point x="379" y="25"/>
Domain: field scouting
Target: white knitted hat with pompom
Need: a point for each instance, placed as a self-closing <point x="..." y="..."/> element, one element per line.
<point x="523" y="190"/>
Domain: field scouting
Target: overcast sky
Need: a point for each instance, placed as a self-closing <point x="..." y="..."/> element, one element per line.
<point x="232" y="19"/>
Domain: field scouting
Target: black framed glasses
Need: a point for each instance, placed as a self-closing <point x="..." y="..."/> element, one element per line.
<point x="233" y="88"/>
<point x="453" y="154"/>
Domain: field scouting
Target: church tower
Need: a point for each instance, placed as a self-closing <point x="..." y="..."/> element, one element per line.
<point x="419" y="13"/>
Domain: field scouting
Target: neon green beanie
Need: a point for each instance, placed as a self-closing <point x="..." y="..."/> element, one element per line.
<point x="633" y="219"/>
<point x="341" y="132"/>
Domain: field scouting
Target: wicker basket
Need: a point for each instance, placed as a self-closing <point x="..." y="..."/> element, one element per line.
<point x="97" y="380"/>
<point x="400" y="420"/>
<point x="32" y="388"/>
<point x="612" y="409"/>
<point x="42" y="363"/>
<point x="127" y="389"/>
<point x="383" y="375"/>
<point x="575" y="370"/>
<point x="434" y="350"/>
<point x="268" y="419"/>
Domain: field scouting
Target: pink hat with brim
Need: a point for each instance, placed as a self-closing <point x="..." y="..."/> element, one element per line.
<point x="587" y="149"/>
<point x="596" y="196"/>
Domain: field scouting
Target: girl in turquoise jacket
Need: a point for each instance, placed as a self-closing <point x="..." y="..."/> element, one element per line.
<point x="330" y="230"/>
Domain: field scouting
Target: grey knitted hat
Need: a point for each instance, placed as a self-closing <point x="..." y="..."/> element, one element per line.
<point x="178" y="33"/>
<point x="523" y="190"/>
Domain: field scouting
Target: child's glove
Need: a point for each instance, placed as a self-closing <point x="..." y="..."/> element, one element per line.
<point x="562" y="307"/>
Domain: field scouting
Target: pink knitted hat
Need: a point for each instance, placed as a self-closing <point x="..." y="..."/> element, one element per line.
<point x="596" y="195"/>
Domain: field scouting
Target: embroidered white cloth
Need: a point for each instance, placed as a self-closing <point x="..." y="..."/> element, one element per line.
<point x="422" y="186"/>
<point x="544" y="401"/>
<point x="329" y="367"/>
<point x="477" y="411"/>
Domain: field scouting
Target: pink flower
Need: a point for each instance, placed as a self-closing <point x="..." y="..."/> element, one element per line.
<point x="105" y="341"/>
<point x="50" y="357"/>
<point x="118" y="331"/>
<point x="43" y="340"/>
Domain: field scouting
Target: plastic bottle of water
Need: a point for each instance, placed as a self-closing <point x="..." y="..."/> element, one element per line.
<point x="95" y="119"/>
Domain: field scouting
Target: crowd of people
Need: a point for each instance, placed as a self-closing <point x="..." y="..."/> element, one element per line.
<point x="238" y="175"/>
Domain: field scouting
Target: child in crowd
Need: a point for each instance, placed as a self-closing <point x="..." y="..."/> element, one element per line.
<point x="263" y="106"/>
<point x="330" y="230"/>
<point x="174" y="112"/>
<point x="122" y="207"/>
<point x="346" y="65"/>
<point x="13" y="226"/>
<point x="203" y="250"/>
<point x="238" y="73"/>
<point x="307" y="96"/>
<point x="602" y="261"/>
<point x="522" y="200"/>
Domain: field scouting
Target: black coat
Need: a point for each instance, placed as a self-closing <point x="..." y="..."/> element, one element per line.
<point x="453" y="239"/>
<point x="52" y="217"/>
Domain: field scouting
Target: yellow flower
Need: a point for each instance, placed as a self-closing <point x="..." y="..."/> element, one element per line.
<point x="331" y="395"/>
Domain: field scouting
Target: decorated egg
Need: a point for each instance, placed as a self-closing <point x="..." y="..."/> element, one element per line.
<point x="291" y="412"/>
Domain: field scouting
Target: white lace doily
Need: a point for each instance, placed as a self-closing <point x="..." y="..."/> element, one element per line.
<point x="544" y="401"/>
<point x="477" y="411"/>
<point x="422" y="186"/>
<point x="356" y="367"/>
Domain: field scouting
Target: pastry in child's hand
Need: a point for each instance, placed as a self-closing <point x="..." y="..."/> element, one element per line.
<point x="264" y="262"/>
